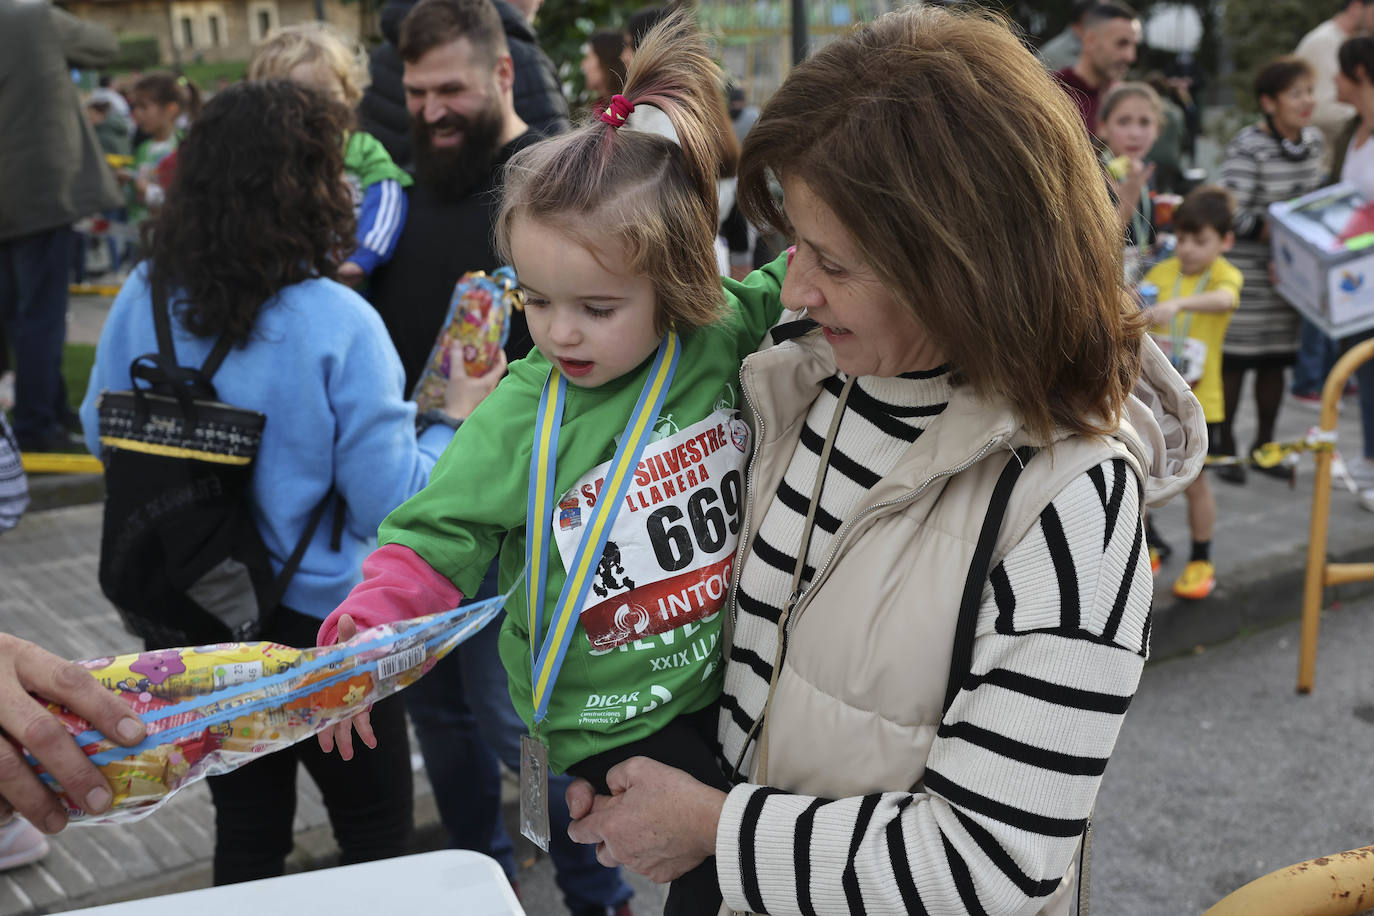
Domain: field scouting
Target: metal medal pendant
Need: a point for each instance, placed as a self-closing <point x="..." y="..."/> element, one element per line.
<point x="534" y="791"/>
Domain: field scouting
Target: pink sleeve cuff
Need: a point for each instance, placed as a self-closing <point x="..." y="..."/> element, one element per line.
<point x="397" y="585"/>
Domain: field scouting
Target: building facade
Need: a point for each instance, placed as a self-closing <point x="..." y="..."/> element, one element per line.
<point x="211" y="30"/>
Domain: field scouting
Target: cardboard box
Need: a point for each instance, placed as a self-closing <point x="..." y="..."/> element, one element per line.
<point x="1323" y="249"/>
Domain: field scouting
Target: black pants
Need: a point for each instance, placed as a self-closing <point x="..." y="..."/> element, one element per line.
<point x="687" y="743"/>
<point x="369" y="798"/>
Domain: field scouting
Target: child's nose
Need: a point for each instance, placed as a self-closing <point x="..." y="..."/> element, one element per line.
<point x="565" y="331"/>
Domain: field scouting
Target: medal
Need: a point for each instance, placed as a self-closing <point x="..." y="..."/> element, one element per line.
<point x="546" y="658"/>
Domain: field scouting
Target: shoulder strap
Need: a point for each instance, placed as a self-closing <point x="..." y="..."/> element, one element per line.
<point x="293" y="562"/>
<point x="162" y="323"/>
<point x="961" y="660"/>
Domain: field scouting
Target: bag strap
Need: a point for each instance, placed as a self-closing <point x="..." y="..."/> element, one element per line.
<point x="961" y="661"/>
<point x="162" y="324"/>
<point x="293" y="562"/>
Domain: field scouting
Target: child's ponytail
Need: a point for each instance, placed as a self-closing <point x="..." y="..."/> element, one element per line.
<point x="164" y="88"/>
<point x="673" y="71"/>
<point x="641" y="174"/>
<point x="192" y="102"/>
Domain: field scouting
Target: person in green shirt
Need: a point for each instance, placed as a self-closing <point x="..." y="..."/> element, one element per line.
<point x="611" y="231"/>
<point x="315" y="54"/>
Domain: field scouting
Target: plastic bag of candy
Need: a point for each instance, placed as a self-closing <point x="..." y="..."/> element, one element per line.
<point x="478" y="319"/>
<point x="211" y="709"/>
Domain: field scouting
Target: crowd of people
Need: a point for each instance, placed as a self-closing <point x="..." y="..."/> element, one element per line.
<point x="1208" y="277"/>
<point x="934" y="537"/>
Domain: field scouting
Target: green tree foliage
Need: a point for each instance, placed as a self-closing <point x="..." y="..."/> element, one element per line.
<point x="1260" y="30"/>
<point x="564" y="26"/>
<point x="138" y="52"/>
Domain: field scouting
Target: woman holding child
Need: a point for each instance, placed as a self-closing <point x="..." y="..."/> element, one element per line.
<point x="964" y="648"/>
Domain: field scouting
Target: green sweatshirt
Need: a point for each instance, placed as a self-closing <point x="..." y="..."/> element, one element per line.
<point x="684" y="502"/>
<point x="367" y="162"/>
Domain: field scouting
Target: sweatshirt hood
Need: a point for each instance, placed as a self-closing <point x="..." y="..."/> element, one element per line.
<point x="1163" y="426"/>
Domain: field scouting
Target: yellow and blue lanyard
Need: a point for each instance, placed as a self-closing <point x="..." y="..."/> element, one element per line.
<point x="547" y="659"/>
<point x="1177" y="335"/>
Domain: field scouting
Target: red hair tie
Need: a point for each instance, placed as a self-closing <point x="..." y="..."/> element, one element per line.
<point x="617" y="112"/>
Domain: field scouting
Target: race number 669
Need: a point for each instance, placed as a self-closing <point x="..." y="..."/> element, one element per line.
<point x="711" y="519"/>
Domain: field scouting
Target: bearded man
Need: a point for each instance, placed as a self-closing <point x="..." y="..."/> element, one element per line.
<point x="458" y="82"/>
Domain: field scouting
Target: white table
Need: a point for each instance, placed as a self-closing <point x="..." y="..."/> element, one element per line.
<point x="447" y="881"/>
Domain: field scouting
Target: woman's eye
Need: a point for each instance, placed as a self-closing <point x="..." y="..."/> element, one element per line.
<point x="828" y="270"/>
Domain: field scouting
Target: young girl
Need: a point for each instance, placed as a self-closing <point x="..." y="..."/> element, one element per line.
<point x="1128" y="124"/>
<point x="315" y="55"/>
<point x="610" y="229"/>
<point x="1278" y="158"/>
<point x="160" y="101"/>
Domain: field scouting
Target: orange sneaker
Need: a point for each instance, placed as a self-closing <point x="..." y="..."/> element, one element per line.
<point x="1155" y="561"/>
<point x="1198" y="579"/>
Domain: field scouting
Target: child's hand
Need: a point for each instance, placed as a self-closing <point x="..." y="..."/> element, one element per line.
<point x="1137" y="176"/>
<point x="350" y="274"/>
<point x="342" y="732"/>
<point x="465" y="392"/>
<point x="1162" y="312"/>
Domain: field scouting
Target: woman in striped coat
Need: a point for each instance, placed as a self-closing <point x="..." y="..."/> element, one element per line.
<point x="1276" y="159"/>
<point x="941" y="603"/>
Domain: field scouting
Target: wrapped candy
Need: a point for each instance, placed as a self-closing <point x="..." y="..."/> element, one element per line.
<point x="478" y="319"/>
<point x="211" y="709"/>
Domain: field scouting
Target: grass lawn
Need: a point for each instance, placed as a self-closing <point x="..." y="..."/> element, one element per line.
<point x="77" y="359"/>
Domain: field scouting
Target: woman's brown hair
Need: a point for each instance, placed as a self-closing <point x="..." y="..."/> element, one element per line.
<point x="258" y="203"/>
<point x="654" y="197"/>
<point x="964" y="175"/>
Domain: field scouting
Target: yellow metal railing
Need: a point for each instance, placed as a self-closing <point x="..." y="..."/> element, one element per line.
<point x="1336" y="885"/>
<point x="1320" y="573"/>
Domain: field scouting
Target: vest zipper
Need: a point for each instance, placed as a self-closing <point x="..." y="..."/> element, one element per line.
<point x="748" y="505"/>
<point x="733" y="608"/>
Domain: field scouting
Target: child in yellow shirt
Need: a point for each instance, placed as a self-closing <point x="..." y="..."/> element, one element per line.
<point x="1198" y="291"/>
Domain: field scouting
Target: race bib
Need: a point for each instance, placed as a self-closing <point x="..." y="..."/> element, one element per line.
<point x="667" y="559"/>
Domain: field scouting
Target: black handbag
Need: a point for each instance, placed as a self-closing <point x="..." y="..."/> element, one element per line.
<point x="180" y="555"/>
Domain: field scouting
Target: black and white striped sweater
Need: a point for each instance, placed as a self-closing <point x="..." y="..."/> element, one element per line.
<point x="1012" y="775"/>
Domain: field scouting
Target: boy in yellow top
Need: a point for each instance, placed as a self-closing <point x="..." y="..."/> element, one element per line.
<point x="1198" y="291"/>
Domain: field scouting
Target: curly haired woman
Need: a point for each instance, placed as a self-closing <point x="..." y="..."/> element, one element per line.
<point x="246" y="245"/>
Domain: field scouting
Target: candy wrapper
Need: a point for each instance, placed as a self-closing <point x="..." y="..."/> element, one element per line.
<point x="211" y="709"/>
<point x="479" y="319"/>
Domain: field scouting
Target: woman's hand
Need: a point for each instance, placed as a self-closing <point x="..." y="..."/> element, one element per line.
<point x="658" y="821"/>
<point x="25" y="669"/>
<point x="341" y="733"/>
<point x="464" y="391"/>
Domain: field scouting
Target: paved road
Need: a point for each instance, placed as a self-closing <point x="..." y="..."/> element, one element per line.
<point x="1223" y="773"/>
